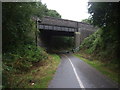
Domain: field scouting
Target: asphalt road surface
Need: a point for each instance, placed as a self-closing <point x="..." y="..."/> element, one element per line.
<point x="75" y="73"/>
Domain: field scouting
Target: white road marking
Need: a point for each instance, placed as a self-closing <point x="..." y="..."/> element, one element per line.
<point x="78" y="79"/>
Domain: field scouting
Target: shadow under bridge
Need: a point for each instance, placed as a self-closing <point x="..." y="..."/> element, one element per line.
<point x="50" y="27"/>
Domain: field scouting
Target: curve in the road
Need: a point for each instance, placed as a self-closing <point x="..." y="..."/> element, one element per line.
<point x="75" y="73"/>
<point x="78" y="79"/>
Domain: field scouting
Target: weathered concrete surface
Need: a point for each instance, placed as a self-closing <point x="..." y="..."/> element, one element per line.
<point x="63" y="27"/>
<point x="77" y="39"/>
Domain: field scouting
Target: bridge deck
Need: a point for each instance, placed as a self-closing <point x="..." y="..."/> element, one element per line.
<point x="56" y="24"/>
<point x="57" y="28"/>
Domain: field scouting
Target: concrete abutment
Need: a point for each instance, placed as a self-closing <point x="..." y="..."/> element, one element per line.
<point x="77" y="40"/>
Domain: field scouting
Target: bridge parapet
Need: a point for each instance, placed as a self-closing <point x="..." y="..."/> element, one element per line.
<point x="57" y="24"/>
<point x="56" y="28"/>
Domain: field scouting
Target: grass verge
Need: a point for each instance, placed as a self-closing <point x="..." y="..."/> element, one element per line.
<point x="39" y="76"/>
<point x="106" y="69"/>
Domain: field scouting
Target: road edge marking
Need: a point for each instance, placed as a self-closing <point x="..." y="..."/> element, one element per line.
<point x="78" y="79"/>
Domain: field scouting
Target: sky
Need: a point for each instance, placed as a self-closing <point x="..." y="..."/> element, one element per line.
<point x="69" y="9"/>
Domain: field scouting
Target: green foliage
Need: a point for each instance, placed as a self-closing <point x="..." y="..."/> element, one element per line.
<point x="109" y="69"/>
<point x="19" y="51"/>
<point x="88" y="21"/>
<point x="21" y="61"/>
<point x="100" y="46"/>
<point x="92" y="42"/>
<point x="42" y="74"/>
<point x="104" y="14"/>
<point x="53" y="13"/>
<point x="18" y="26"/>
<point x="104" y="43"/>
<point x="23" y="58"/>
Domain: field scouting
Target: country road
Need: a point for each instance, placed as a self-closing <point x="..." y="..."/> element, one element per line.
<point x="75" y="73"/>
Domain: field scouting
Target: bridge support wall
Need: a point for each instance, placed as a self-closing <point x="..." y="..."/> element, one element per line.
<point x="77" y="40"/>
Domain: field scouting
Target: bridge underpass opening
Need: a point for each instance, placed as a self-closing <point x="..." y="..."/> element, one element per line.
<point x="57" y="42"/>
<point x="62" y="43"/>
<point x="51" y="27"/>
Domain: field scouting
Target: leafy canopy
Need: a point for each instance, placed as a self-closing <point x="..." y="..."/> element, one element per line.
<point x="18" y="25"/>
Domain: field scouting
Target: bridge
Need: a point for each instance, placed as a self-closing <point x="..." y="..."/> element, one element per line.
<point x="62" y="27"/>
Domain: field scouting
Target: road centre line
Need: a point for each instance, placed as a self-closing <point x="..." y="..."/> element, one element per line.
<point x="78" y="79"/>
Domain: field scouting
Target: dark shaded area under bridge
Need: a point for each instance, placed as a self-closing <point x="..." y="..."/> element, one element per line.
<point x="50" y="27"/>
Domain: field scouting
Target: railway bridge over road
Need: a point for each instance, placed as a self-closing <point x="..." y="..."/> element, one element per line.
<point x="62" y="27"/>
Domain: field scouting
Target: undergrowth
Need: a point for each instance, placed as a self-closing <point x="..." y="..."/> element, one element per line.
<point x="101" y="46"/>
<point x="20" y="61"/>
<point x="39" y="76"/>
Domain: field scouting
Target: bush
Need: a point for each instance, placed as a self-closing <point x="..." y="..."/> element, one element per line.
<point x="23" y="58"/>
<point x="20" y="61"/>
<point x="101" y="45"/>
<point x="92" y="42"/>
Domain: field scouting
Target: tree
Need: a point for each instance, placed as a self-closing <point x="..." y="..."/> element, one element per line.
<point x="53" y="13"/>
<point x="88" y="21"/>
<point x="18" y="24"/>
<point x="18" y="36"/>
<point x="106" y="16"/>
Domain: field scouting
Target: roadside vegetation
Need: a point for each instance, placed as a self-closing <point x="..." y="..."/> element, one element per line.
<point x="26" y="75"/>
<point x="109" y="69"/>
<point x="102" y="47"/>
<point x="21" y="58"/>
